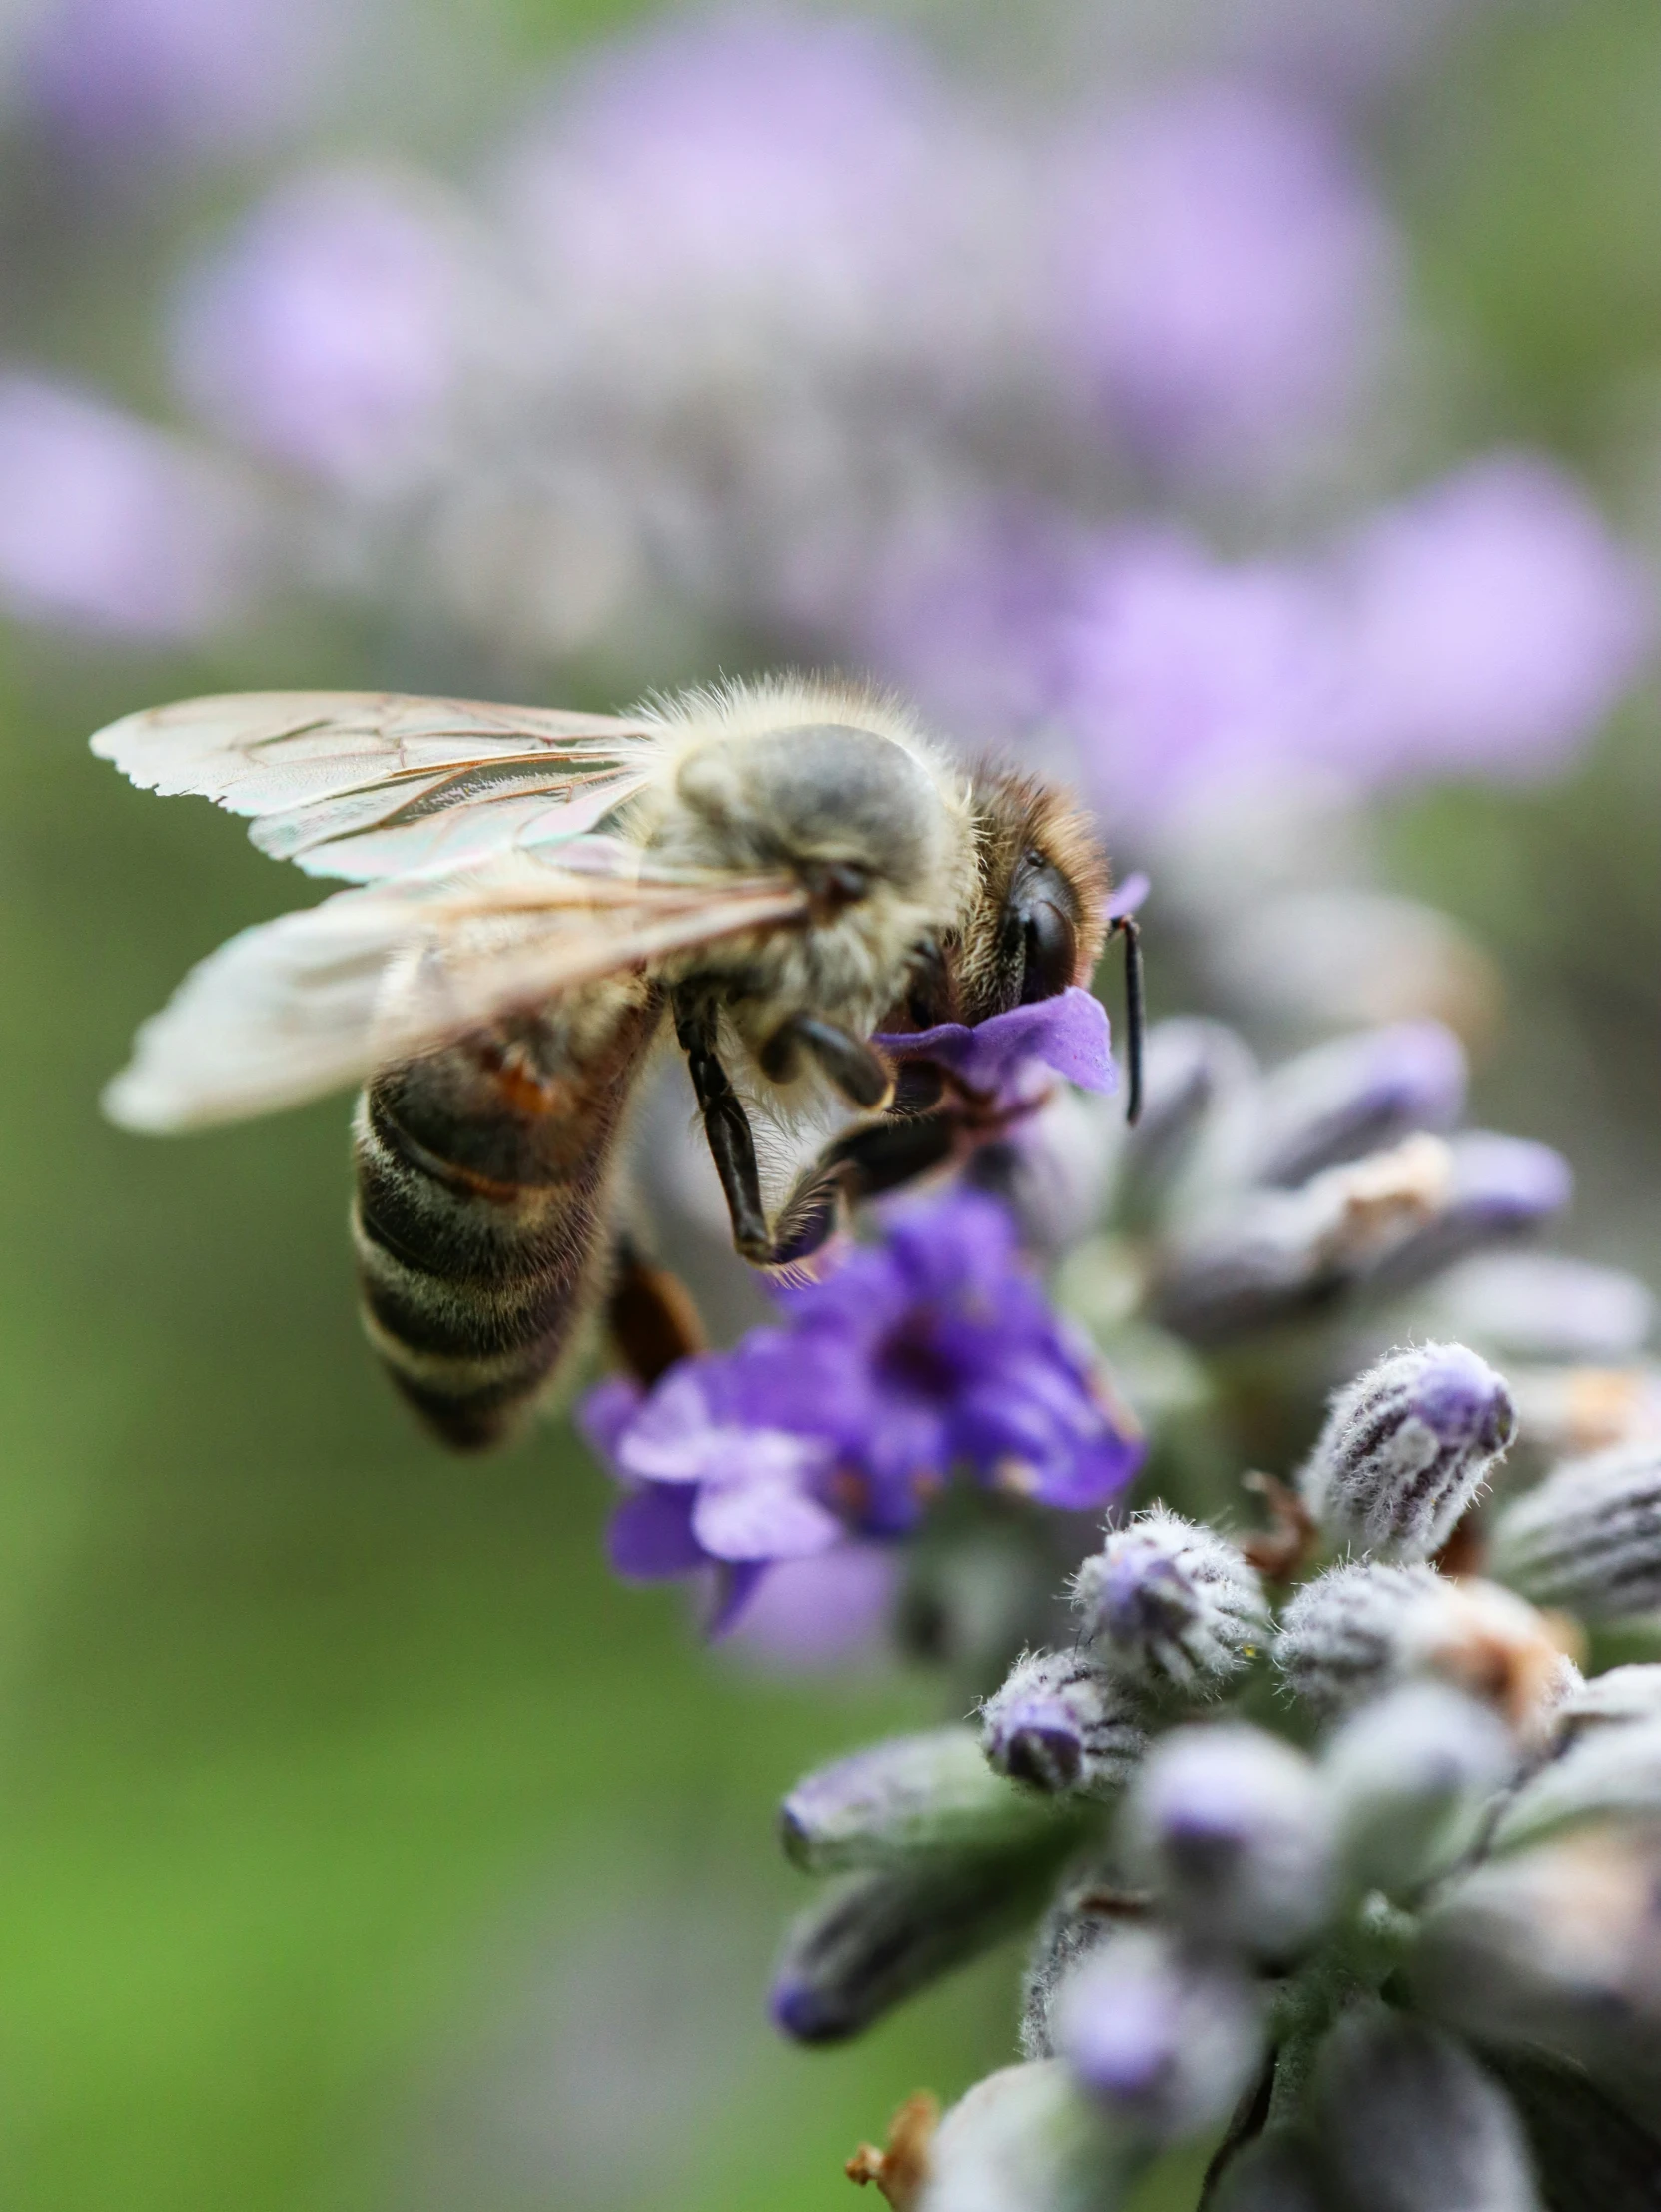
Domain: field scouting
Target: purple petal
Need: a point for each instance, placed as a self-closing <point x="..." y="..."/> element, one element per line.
<point x="606" y="1411"/>
<point x="822" y="1611"/>
<point x="675" y="1432"/>
<point x="1067" y="1032"/>
<point x="735" y="1586"/>
<point x="651" y="1537"/>
<point x="1128" y="897"/>
<point x="762" y="1518"/>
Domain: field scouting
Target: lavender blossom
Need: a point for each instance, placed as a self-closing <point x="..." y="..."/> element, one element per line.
<point x="1354" y="1095"/>
<point x="1059" y="1724"/>
<point x="1232" y="1829"/>
<point x="1067" y="1033"/>
<point x="1493" y="623"/>
<point x="113" y="530"/>
<point x="328" y="335"/>
<point x="1165" y="2041"/>
<point x="933" y="1351"/>
<point x="1406" y="1447"/>
<point x="190" y="77"/>
<point x="1223" y="275"/>
<point x="1171" y="1605"/>
<point x="1589" y="1536"/>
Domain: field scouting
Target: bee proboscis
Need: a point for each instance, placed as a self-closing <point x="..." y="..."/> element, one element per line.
<point x="772" y="871"/>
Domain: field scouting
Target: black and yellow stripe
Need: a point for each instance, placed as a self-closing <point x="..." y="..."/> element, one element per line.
<point x="481" y="1218"/>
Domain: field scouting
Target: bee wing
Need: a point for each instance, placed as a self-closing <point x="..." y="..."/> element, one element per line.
<point x="298" y="1006"/>
<point x="367" y="784"/>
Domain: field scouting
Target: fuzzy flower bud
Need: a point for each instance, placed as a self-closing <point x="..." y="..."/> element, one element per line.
<point x="878" y="1937"/>
<point x="1171" y="1605"/>
<point x="1059" y="1723"/>
<point x="1410" y="2122"/>
<point x="1620" y="1694"/>
<point x="1357" y="1630"/>
<point x="1163" y="2042"/>
<point x="1558" y="1946"/>
<point x="1231" y="1830"/>
<point x="1406" y="1447"/>
<point x="892" y="1801"/>
<point x="1354" y="1095"/>
<point x="1274" y="1254"/>
<point x="1613" y="1772"/>
<point x="1589" y="1537"/>
<point x="1499" y="1188"/>
<point x="1543" y="1306"/>
<point x="1409" y="1778"/>
<point x="1022" y="2140"/>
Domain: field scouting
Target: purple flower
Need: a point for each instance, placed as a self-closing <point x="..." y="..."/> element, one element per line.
<point x="1493" y="622"/>
<point x="122" y="76"/>
<point x="327" y="334"/>
<point x="932" y="1351"/>
<point x="1222" y="274"/>
<point x="1067" y="1033"/>
<point x="811" y="1615"/>
<point x="114" y="528"/>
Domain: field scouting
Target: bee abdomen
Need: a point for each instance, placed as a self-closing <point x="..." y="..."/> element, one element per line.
<point x="480" y="1220"/>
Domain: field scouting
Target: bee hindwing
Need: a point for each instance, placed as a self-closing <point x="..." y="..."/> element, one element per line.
<point x="300" y="1006"/>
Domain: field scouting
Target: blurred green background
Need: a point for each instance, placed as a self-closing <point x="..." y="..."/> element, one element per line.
<point x="362" y="1844"/>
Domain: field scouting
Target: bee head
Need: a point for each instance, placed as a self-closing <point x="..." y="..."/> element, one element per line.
<point x="1037" y="920"/>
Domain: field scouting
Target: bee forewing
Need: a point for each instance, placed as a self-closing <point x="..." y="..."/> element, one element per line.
<point x="371" y="784"/>
<point x="295" y="1008"/>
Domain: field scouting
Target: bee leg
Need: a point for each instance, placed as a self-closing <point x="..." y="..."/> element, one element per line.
<point x="880" y="1157"/>
<point x="650" y="1315"/>
<point x="857" y="1069"/>
<point x="726" y="1126"/>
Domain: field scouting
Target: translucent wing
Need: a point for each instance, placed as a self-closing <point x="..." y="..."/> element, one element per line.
<point x="296" y="1006"/>
<point x="372" y="783"/>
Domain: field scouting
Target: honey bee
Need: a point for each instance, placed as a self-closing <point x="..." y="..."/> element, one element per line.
<point x="775" y="871"/>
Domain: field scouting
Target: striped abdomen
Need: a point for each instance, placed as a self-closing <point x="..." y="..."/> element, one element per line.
<point x="480" y="1220"/>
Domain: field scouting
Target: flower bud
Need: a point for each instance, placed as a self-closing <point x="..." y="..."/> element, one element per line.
<point x="1354" y="1095"/>
<point x="1408" y="1778"/>
<point x="1163" y="2040"/>
<point x="1024" y="2140"/>
<point x="1613" y="1772"/>
<point x="1558" y="1946"/>
<point x="1410" y="2122"/>
<point x="1357" y="1630"/>
<point x="1542" y="1306"/>
<point x="1571" y="1412"/>
<point x="1230" y="1829"/>
<point x="1589" y="1537"/>
<point x="1171" y="1605"/>
<point x="1272" y="1256"/>
<point x="895" y="1801"/>
<point x="1406" y="1447"/>
<point x="1059" y="1723"/>
<point x="1276" y="2173"/>
<point x="1500" y="1187"/>
<point x="1620" y="1694"/>
<point x="878" y="1937"/>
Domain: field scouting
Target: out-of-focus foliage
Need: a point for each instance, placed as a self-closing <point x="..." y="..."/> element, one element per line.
<point x="362" y="1843"/>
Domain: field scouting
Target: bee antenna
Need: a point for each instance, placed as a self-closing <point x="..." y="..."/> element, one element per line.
<point x="1136" y="1017"/>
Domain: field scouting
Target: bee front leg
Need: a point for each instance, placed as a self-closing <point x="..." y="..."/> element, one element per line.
<point x="726" y="1126"/>
<point x="882" y="1155"/>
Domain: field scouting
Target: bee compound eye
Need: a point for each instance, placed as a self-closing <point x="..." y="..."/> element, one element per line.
<point x="1050" y="949"/>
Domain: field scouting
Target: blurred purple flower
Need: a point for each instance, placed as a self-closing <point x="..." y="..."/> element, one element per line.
<point x="327" y="334"/>
<point x="808" y="1615"/>
<point x="121" y="77"/>
<point x="1222" y="274"/>
<point x="797" y="163"/>
<point x="930" y="1351"/>
<point x="1493" y="623"/>
<point x="111" y="528"/>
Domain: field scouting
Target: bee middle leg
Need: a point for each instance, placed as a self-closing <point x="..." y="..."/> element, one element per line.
<point x="726" y="1126"/>
<point x="857" y="1069"/>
